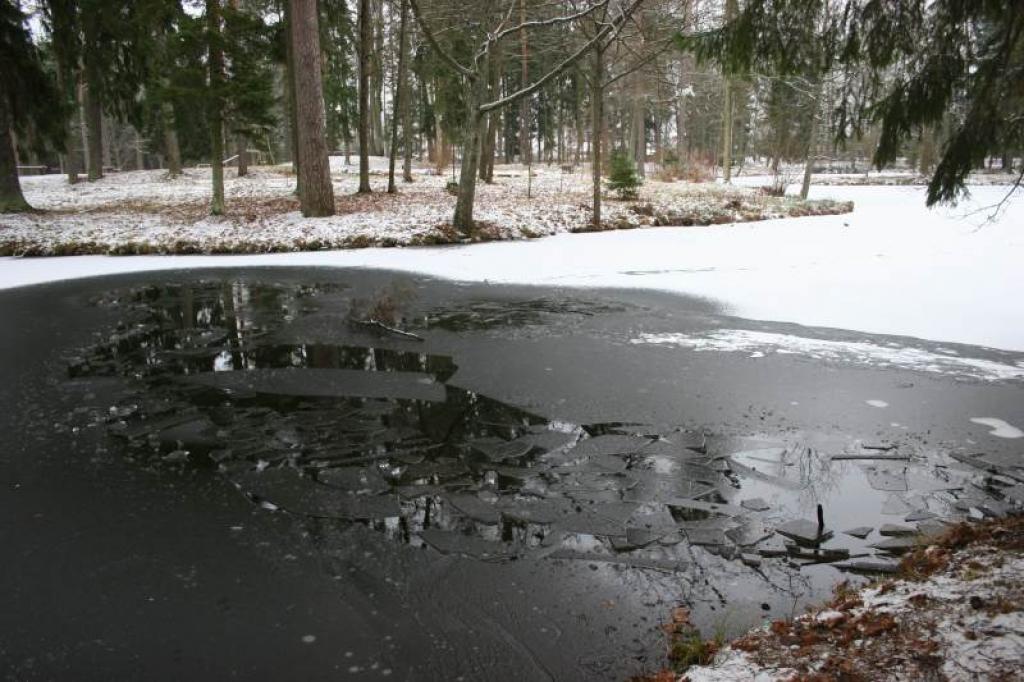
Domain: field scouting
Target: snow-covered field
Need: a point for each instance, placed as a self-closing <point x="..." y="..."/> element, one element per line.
<point x="148" y="213"/>
<point x="891" y="267"/>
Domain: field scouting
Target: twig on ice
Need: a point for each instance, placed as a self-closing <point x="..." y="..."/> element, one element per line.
<point x="377" y="324"/>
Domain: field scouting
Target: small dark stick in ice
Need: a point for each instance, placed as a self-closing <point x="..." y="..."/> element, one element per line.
<point x="821" y="520"/>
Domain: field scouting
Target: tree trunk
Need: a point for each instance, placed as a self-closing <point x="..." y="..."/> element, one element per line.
<point x="638" y="129"/>
<point x="241" y="151"/>
<point x="289" y="45"/>
<point x="525" y="143"/>
<point x="216" y="66"/>
<point x="171" y="147"/>
<point x="805" y="187"/>
<point x="68" y="158"/>
<point x="93" y="125"/>
<point x="488" y="146"/>
<point x="812" y="132"/>
<point x="317" y="198"/>
<point x="377" y="79"/>
<point x="111" y="155"/>
<point x="473" y="132"/>
<point x="730" y="13"/>
<point x="140" y="151"/>
<point x="680" y="125"/>
<point x="11" y="198"/>
<point x="597" y="125"/>
<point x="406" y="97"/>
<point x="400" y="95"/>
<point x="241" y="143"/>
<point x="83" y="128"/>
<point x="365" y="44"/>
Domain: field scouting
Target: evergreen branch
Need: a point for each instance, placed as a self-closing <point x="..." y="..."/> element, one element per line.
<point x="444" y="54"/>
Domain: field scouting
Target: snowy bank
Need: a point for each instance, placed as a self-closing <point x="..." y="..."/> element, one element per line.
<point x="956" y="613"/>
<point x="145" y="212"/>
<point x="891" y="267"/>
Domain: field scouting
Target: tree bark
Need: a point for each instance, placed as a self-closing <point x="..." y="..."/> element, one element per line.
<point x="317" y="198"/>
<point x="377" y="79"/>
<point x="730" y="12"/>
<point x="812" y="132"/>
<point x="140" y="151"/>
<point x="216" y="66"/>
<point x="171" y="146"/>
<point x="638" y="131"/>
<point x="463" y="220"/>
<point x="290" y="94"/>
<point x="680" y="126"/>
<point x="68" y="158"/>
<point x="11" y="198"/>
<point x="241" y="143"/>
<point x="407" y="137"/>
<point x="400" y="95"/>
<point x="597" y="125"/>
<point x="407" y="142"/>
<point x="83" y="128"/>
<point x="365" y="44"/>
<point x="489" y="143"/>
<point x="525" y="143"/>
<point x="93" y="124"/>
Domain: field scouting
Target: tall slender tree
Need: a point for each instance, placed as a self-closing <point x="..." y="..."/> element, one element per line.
<point x="731" y="9"/>
<point x="317" y="197"/>
<point x="365" y="46"/>
<point x="399" y="94"/>
<point x="31" y="107"/>
<point x="215" y="102"/>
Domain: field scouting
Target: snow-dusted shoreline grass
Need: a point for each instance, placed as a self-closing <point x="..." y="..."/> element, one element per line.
<point x="955" y="613"/>
<point x="145" y="212"/>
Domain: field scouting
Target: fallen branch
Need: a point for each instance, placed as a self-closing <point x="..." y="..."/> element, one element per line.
<point x="377" y="324"/>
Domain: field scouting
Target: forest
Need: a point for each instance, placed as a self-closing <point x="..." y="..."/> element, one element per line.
<point x="688" y="85"/>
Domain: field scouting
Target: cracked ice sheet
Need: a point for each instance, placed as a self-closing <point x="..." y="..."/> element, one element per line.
<point x="864" y="353"/>
<point x="891" y="267"/>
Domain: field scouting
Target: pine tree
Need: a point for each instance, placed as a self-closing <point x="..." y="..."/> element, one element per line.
<point x="904" y="65"/>
<point x="365" y="46"/>
<point x="622" y="177"/>
<point x="317" y="197"/>
<point x="215" y="102"/>
<point x="31" y="107"/>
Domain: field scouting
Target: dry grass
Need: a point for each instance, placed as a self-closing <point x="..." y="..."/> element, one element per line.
<point x="842" y="641"/>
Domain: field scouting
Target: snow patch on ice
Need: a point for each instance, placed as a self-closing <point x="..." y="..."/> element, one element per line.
<point x="1000" y="428"/>
<point x="854" y="352"/>
<point x="877" y="403"/>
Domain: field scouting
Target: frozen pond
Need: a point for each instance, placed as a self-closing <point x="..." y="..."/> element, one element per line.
<point x="201" y="464"/>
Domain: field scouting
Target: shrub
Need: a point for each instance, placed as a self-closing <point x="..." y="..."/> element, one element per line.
<point x="623" y="178"/>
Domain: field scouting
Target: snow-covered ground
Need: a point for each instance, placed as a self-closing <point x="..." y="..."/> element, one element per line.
<point x="963" y="622"/>
<point x="146" y="212"/>
<point x="892" y="266"/>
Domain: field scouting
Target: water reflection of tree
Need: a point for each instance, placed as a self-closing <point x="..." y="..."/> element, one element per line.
<point x="818" y="474"/>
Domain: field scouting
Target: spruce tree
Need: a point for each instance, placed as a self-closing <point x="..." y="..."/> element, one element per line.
<point x="31" y="107"/>
<point x="905" y="65"/>
<point x="622" y="176"/>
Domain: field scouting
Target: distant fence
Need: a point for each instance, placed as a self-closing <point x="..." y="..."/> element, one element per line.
<point x="35" y="170"/>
